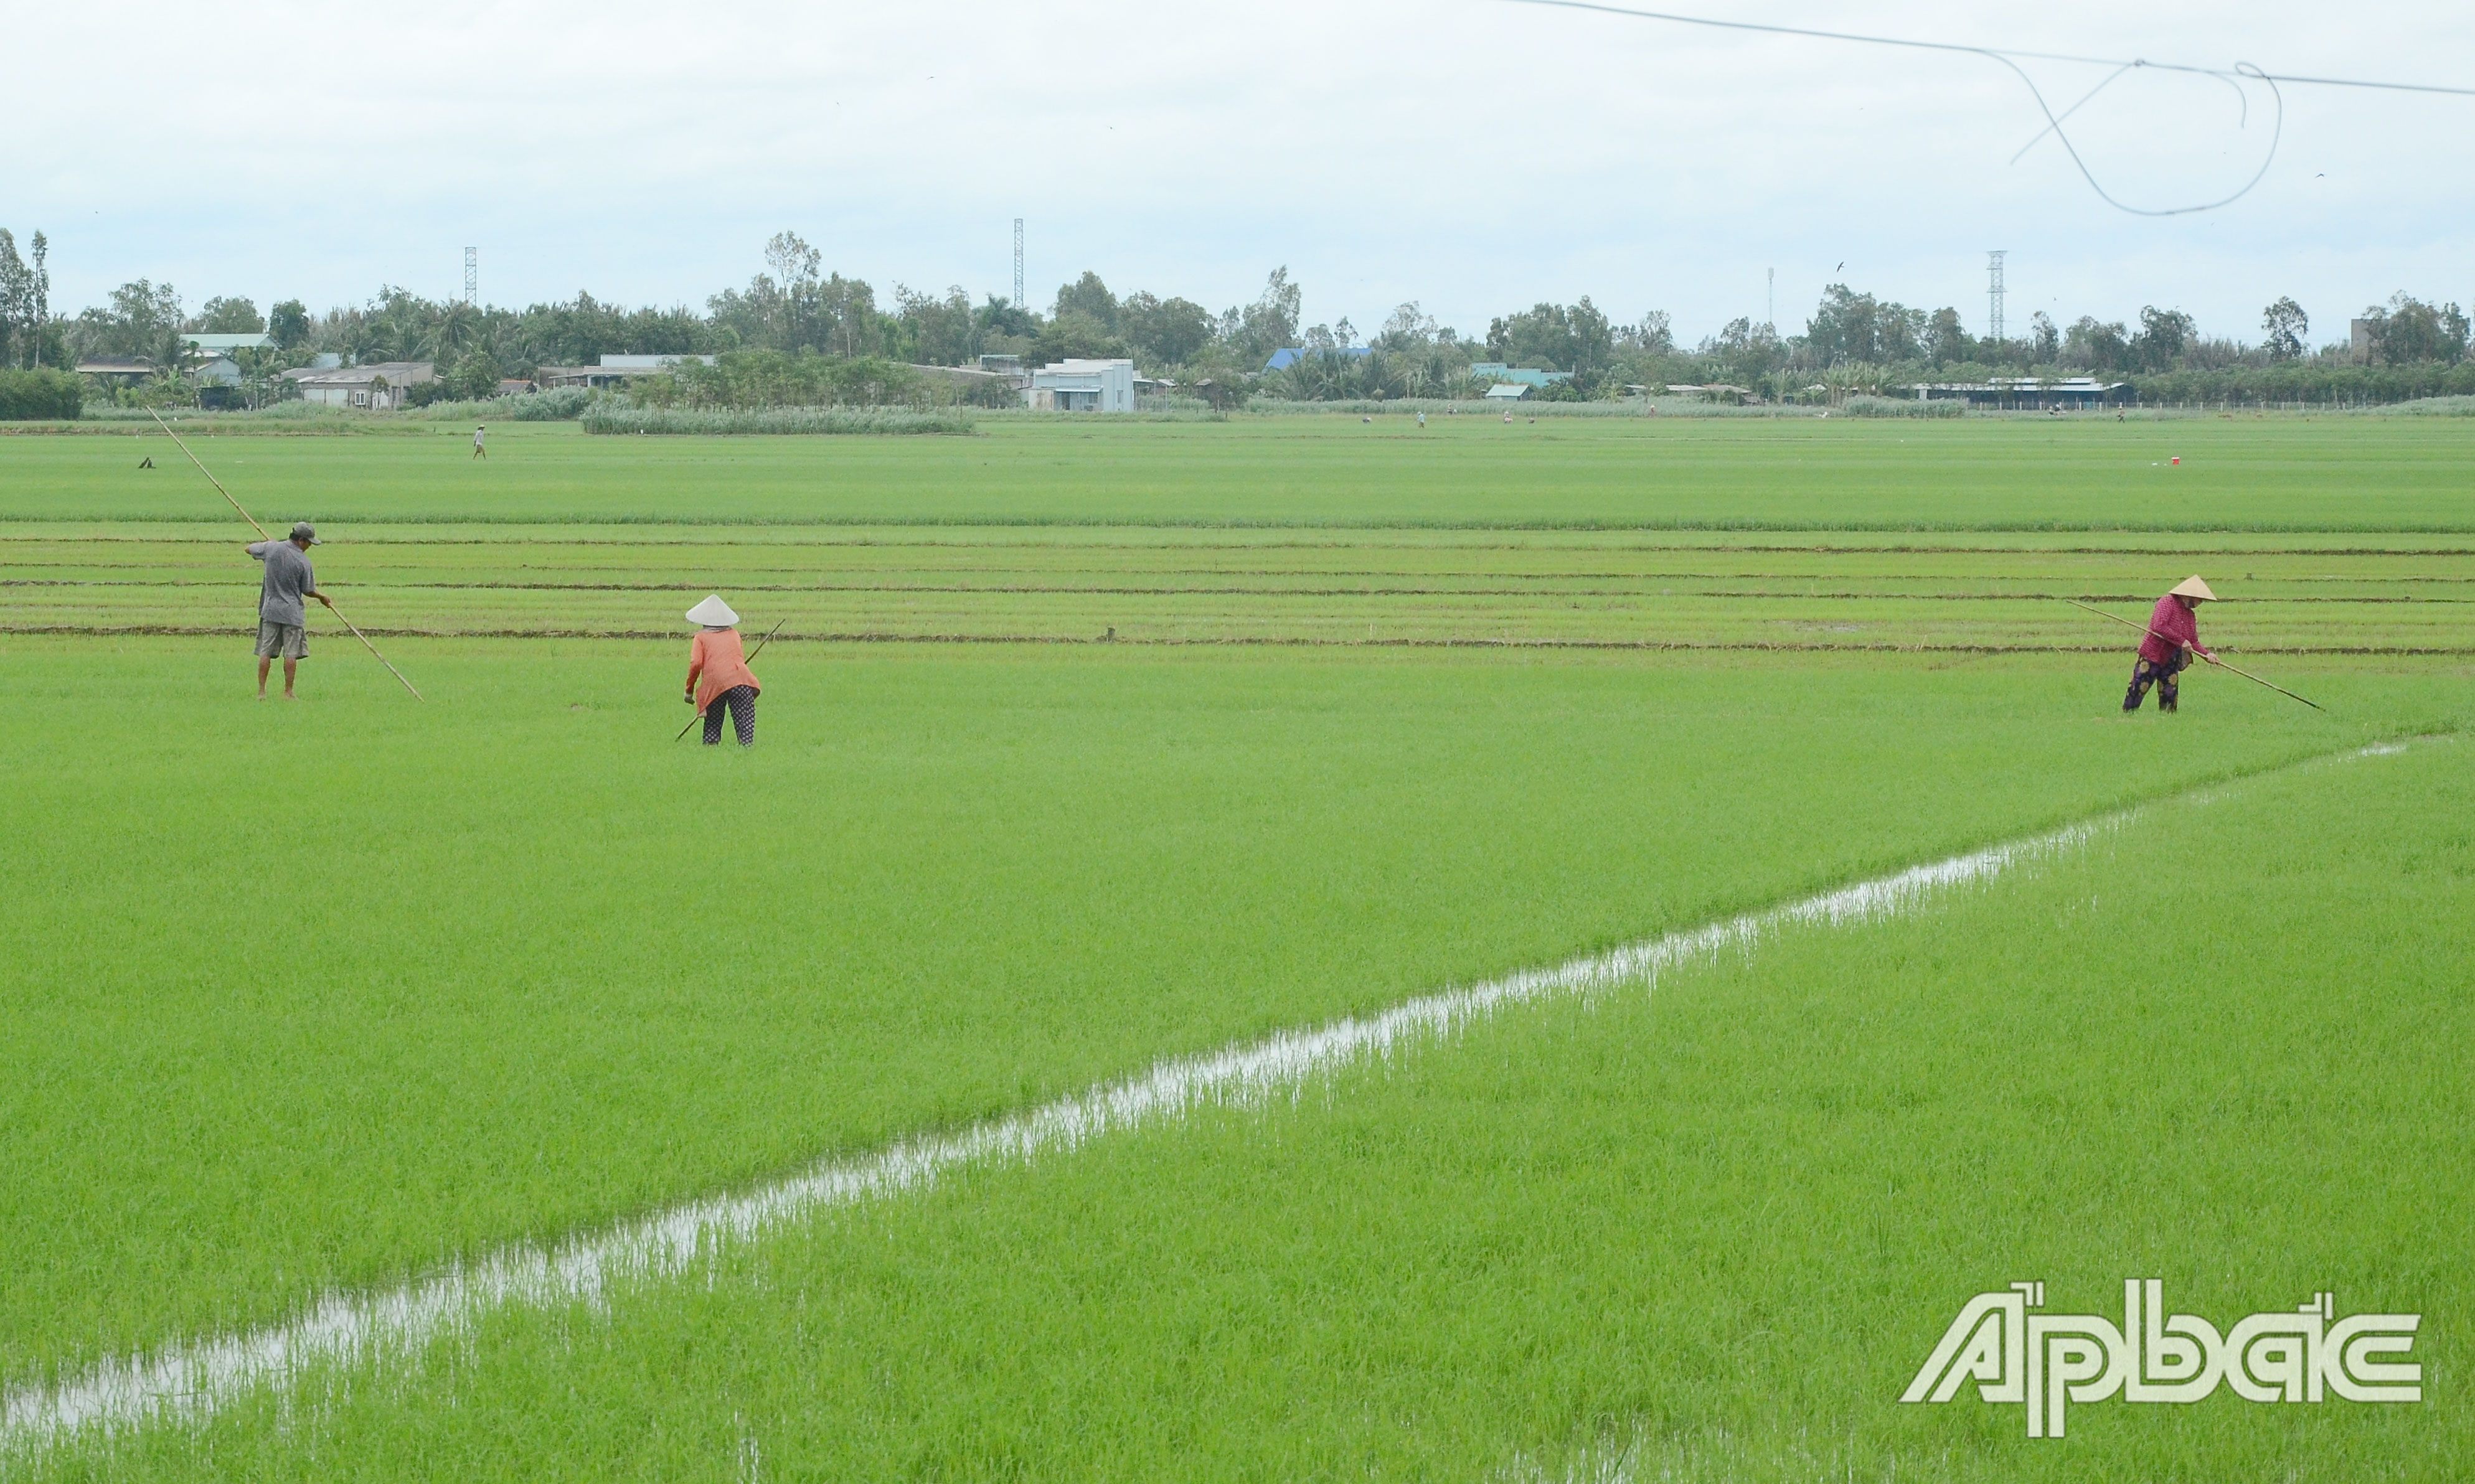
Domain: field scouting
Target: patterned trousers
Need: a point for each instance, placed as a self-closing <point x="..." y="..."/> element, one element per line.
<point x="742" y="701"/>
<point x="2149" y="672"/>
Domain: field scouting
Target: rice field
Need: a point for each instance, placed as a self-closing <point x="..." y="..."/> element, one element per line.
<point x="2247" y="475"/>
<point x="1222" y="732"/>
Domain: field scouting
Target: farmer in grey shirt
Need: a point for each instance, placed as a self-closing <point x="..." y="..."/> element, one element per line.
<point x="281" y="621"/>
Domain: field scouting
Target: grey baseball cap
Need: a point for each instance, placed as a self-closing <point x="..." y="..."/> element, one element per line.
<point x="303" y="530"/>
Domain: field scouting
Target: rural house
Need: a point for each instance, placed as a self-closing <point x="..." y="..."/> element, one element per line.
<point x="1289" y="355"/>
<point x="1082" y="386"/>
<point x="1498" y="371"/>
<point x="376" y="388"/>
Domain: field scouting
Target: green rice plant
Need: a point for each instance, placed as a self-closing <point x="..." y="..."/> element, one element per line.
<point x="1611" y="473"/>
<point x="1705" y="1228"/>
<point x="709" y="422"/>
<point x="509" y="966"/>
<point x="511" y="962"/>
<point x="1357" y="588"/>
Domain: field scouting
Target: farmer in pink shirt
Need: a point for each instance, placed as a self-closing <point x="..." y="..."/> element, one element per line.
<point x="719" y="678"/>
<point x="2172" y="641"/>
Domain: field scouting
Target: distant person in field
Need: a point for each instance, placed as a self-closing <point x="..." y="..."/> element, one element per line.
<point x="478" y="451"/>
<point x="283" y="622"/>
<point x="718" y="672"/>
<point x="2172" y="641"/>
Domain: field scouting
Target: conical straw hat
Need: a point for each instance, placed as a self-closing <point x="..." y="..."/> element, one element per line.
<point x="2189" y="587"/>
<point x="714" y="613"/>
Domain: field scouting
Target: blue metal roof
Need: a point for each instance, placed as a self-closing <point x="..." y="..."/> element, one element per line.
<point x="1289" y="355"/>
<point x="1498" y="371"/>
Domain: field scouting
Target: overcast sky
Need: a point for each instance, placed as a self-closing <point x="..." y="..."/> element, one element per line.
<point x="1474" y="154"/>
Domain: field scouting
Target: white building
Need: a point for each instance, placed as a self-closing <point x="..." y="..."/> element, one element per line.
<point x="216" y="365"/>
<point x="1082" y="386"/>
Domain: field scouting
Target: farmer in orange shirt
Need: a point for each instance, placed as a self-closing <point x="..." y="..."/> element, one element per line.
<point x="718" y="674"/>
<point x="2174" y="639"/>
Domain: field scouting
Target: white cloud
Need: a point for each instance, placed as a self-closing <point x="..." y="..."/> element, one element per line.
<point x="1474" y="154"/>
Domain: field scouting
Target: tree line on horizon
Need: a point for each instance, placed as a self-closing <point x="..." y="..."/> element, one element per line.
<point x="793" y="312"/>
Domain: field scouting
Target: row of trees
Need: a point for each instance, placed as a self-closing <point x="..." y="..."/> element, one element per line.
<point x="1857" y="343"/>
<point x="28" y="336"/>
<point x="795" y="309"/>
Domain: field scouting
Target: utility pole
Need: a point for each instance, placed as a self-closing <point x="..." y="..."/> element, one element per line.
<point x="1018" y="262"/>
<point x="1993" y="293"/>
<point x="472" y="272"/>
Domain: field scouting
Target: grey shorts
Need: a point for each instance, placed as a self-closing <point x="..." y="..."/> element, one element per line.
<point x="291" y="640"/>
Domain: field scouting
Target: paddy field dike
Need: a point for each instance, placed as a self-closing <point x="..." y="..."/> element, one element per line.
<point x="988" y="1075"/>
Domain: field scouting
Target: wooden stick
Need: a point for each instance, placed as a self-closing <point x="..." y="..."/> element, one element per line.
<point x="261" y="532"/>
<point x="750" y="660"/>
<point x="2211" y="658"/>
<point x="373" y="648"/>
<point x="209" y="473"/>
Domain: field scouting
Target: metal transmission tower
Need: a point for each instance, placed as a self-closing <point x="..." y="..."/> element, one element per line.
<point x="1018" y="262"/>
<point x="472" y="272"/>
<point x="1993" y="292"/>
<point x="1769" y="311"/>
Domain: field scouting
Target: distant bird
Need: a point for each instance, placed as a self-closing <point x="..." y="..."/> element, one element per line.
<point x="1843" y="264"/>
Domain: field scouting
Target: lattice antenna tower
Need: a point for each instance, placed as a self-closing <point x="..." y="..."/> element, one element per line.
<point x="472" y="273"/>
<point x="1018" y="262"/>
<point x="1770" y="301"/>
<point x="1993" y="294"/>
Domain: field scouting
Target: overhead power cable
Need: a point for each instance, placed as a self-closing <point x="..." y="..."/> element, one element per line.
<point x="2011" y="58"/>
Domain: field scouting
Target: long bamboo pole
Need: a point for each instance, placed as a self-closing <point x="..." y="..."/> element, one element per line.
<point x="750" y="660"/>
<point x="263" y="536"/>
<point x="2211" y="658"/>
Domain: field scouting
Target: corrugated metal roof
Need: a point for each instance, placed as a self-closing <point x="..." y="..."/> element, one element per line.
<point x="1289" y="355"/>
